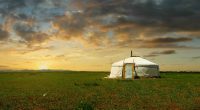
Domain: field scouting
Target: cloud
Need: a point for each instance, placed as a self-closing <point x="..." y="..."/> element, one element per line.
<point x="197" y="57"/>
<point x="3" y="67"/>
<point x="8" y="6"/>
<point x="60" y="56"/>
<point x="74" y="25"/>
<point x="168" y="40"/>
<point x="147" y="13"/>
<point x="22" y="50"/>
<point x="151" y="55"/>
<point x="29" y="34"/>
<point x="71" y="24"/>
<point x="133" y="18"/>
<point x="165" y="52"/>
<point x="3" y="35"/>
<point x="165" y="42"/>
<point x="33" y="49"/>
<point x="105" y="23"/>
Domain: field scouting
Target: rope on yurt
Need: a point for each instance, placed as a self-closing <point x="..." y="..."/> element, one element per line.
<point x="123" y="70"/>
<point x="135" y="76"/>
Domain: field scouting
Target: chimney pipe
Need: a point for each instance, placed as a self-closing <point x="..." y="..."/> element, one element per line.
<point x="131" y="53"/>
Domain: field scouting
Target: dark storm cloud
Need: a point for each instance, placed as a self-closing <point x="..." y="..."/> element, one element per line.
<point x="72" y="24"/>
<point x="152" y="18"/>
<point x="11" y="8"/>
<point x="168" y="14"/>
<point x="29" y="34"/>
<point x="93" y="21"/>
<point x="7" y="6"/>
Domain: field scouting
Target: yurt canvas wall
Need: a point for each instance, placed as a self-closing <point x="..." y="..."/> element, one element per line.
<point x="134" y="67"/>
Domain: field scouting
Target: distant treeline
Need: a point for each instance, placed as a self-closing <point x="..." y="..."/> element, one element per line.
<point x="49" y="70"/>
<point x="162" y="72"/>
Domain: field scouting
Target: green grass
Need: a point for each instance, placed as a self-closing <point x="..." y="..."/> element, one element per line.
<point x="88" y="90"/>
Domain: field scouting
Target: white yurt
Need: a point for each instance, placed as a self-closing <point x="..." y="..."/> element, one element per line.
<point x="134" y="67"/>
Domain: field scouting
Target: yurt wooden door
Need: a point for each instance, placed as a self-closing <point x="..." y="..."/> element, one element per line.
<point x="129" y="71"/>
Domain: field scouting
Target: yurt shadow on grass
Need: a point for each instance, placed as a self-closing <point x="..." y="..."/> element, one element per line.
<point x="134" y="67"/>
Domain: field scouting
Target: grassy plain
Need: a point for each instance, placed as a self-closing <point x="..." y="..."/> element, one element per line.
<point x="89" y="90"/>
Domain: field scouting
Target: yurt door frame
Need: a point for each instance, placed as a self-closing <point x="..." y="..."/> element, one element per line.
<point x="128" y="71"/>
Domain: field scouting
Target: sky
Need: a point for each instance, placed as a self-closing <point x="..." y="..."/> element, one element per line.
<point x="89" y="35"/>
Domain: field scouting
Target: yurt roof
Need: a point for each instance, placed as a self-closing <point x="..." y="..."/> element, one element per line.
<point x="137" y="60"/>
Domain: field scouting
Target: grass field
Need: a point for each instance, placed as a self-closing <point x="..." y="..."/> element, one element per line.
<point x="88" y="90"/>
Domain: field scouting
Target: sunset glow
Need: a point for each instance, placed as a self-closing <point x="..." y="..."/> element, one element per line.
<point x="92" y="34"/>
<point x="43" y="67"/>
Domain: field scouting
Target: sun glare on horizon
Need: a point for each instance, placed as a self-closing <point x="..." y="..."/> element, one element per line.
<point x="43" y="67"/>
